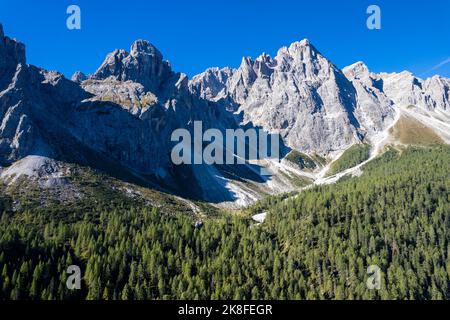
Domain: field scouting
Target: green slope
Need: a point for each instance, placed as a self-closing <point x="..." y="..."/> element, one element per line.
<point x="316" y="246"/>
<point x="353" y="156"/>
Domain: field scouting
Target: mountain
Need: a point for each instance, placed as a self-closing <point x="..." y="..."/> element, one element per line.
<point x="425" y="100"/>
<point x="78" y="77"/>
<point x="299" y="94"/>
<point x="316" y="107"/>
<point x="120" y="119"/>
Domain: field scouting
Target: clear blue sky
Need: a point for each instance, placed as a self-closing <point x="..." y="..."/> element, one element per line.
<point x="197" y="34"/>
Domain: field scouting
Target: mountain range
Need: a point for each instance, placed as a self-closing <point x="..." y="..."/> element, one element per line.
<point x="119" y="120"/>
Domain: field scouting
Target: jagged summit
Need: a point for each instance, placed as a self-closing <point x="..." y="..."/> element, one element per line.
<point x="357" y="65"/>
<point x="78" y="77"/>
<point x="144" y="64"/>
<point x="12" y="59"/>
<point x="129" y="108"/>
<point x="356" y="70"/>
<point x="144" y="47"/>
<point x="300" y="49"/>
<point x="11" y="50"/>
<point x="302" y="44"/>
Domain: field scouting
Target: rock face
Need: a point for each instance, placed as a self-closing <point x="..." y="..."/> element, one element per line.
<point x="78" y="77"/>
<point x="316" y="107"/>
<point x="12" y="55"/>
<point x="47" y="115"/>
<point x="121" y="118"/>
<point x="405" y="89"/>
<point x="374" y="109"/>
<point x="379" y="94"/>
<point x="18" y="137"/>
<point x="299" y="94"/>
<point x="11" y="50"/>
<point x="144" y="64"/>
<point x="143" y="84"/>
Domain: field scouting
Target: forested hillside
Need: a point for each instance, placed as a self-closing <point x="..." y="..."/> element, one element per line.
<point x="317" y="245"/>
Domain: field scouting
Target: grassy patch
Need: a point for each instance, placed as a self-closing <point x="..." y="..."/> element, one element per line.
<point x="301" y="160"/>
<point x="351" y="158"/>
<point x="321" y="161"/>
<point x="297" y="181"/>
<point x="410" y="131"/>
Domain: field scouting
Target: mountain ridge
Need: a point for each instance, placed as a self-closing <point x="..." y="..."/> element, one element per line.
<point x="126" y="111"/>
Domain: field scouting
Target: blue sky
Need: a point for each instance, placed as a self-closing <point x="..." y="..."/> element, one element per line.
<point x="198" y="34"/>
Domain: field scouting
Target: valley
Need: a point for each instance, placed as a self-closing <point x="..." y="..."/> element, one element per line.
<point x="88" y="178"/>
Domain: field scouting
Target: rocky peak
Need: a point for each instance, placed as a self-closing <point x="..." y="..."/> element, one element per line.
<point x="358" y="70"/>
<point x="303" y="59"/>
<point x="301" y="47"/>
<point x="211" y="84"/>
<point x="263" y="66"/>
<point x="144" y="64"/>
<point x="247" y="73"/>
<point x="143" y="47"/>
<point x="299" y="94"/>
<point x="12" y="59"/>
<point x="12" y="52"/>
<point x="300" y="51"/>
<point x="78" y="77"/>
<point x="405" y="90"/>
<point x="438" y="91"/>
<point x="112" y="66"/>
